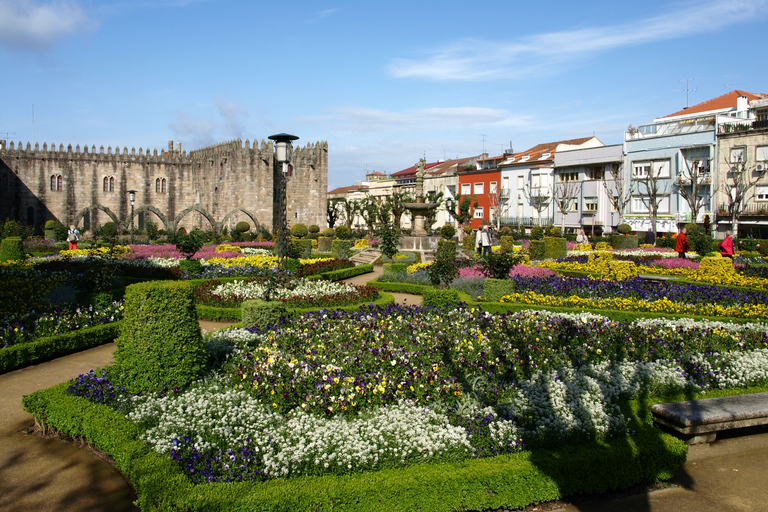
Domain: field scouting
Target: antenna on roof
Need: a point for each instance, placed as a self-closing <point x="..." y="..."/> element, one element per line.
<point x="728" y="86"/>
<point x="483" y="136"/>
<point x="687" y="89"/>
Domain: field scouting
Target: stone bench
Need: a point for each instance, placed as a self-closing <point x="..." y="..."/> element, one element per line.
<point x="699" y="421"/>
<point x="655" y="279"/>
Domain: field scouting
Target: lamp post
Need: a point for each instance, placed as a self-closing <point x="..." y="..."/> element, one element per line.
<point x="281" y="169"/>
<point x="132" y="197"/>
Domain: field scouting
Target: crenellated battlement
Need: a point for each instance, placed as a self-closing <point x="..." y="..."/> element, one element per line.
<point x="71" y="153"/>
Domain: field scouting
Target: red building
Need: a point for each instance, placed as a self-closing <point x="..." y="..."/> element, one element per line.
<point x="484" y="184"/>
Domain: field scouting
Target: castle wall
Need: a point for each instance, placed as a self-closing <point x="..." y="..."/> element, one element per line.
<point x="218" y="179"/>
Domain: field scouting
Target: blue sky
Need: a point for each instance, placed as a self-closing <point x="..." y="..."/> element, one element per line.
<point x="385" y="83"/>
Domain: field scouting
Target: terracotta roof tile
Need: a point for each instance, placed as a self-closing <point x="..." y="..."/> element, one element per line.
<point x="727" y="100"/>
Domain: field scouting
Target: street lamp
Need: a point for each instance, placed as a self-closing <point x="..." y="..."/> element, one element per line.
<point x="281" y="169"/>
<point x="132" y="197"/>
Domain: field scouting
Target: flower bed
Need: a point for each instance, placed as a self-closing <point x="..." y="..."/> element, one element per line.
<point x="341" y="393"/>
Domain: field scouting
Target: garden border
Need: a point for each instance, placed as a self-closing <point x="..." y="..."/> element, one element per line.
<point x="511" y="481"/>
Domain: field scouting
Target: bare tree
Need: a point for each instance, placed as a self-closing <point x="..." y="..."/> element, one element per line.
<point x="498" y="203"/>
<point x="538" y="197"/>
<point x="351" y="208"/>
<point x="694" y="179"/>
<point x="653" y="190"/>
<point x="618" y="193"/>
<point x="739" y="186"/>
<point x="566" y="194"/>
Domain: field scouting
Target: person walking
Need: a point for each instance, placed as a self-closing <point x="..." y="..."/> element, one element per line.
<point x="726" y="246"/>
<point x="650" y="237"/>
<point x="486" y="241"/>
<point x="681" y="244"/>
<point x="479" y="241"/>
<point x="73" y="236"/>
<point x="581" y="238"/>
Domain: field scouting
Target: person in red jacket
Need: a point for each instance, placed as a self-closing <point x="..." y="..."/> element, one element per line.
<point x="726" y="246"/>
<point x="681" y="245"/>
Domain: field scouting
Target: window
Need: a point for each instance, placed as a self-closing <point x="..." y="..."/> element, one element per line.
<point x="505" y="184"/>
<point x="761" y="193"/>
<point x="638" y="206"/>
<point x="642" y="170"/>
<point x="59" y="182"/>
<point x="738" y="155"/>
<point x="157" y="186"/>
<point x="761" y="154"/>
<point x="479" y="188"/>
<point x="569" y="176"/>
<point x="111" y="184"/>
<point x="596" y="173"/>
<point x="479" y="213"/>
<point x="53" y="182"/>
<point x="494" y="187"/>
<point x="163" y="190"/>
<point x="466" y="189"/>
<point x="590" y="205"/>
<point x="105" y="186"/>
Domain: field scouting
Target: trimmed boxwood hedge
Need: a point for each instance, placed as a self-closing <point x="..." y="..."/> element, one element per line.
<point x="346" y="273"/>
<point x="506" y="481"/>
<point x="44" y="349"/>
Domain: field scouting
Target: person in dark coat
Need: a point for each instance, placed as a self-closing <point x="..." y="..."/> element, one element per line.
<point x="650" y="237"/>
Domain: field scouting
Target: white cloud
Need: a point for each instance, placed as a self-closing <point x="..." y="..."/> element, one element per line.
<point x="33" y="25"/>
<point x="194" y="132"/>
<point x="232" y="113"/>
<point x="473" y="59"/>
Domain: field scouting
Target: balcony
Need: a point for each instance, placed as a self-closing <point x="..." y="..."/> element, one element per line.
<point x="750" y="210"/>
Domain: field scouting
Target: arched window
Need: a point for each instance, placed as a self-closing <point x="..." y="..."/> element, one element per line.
<point x="105" y="187"/>
<point x="59" y="182"/>
<point x="4" y="182"/>
<point x="53" y="182"/>
<point x="157" y="186"/>
<point x="111" y="184"/>
<point x="163" y="186"/>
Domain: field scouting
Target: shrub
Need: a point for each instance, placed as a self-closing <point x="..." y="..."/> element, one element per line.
<point x="341" y="249"/>
<point x="537" y="233"/>
<point x="447" y="231"/>
<point x="717" y="266"/>
<point x="263" y="314"/>
<point x="600" y="259"/>
<point x="700" y="241"/>
<point x="395" y="268"/>
<point x="314" y="228"/>
<point x="507" y="243"/>
<point x="12" y="249"/>
<point x="623" y="228"/>
<point x="388" y="240"/>
<point x="329" y="232"/>
<point x="13" y="228"/>
<point x="190" y="267"/>
<point x="242" y="226"/>
<point x="152" y="231"/>
<point x="440" y="298"/>
<point x="298" y="248"/>
<point x="603" y="246"/>
<point x="624" y="241"/>
<point x="343" y="233"/>
<point x="299" y="230"/>
<point x="536" y="249"/>
<point x="324" y="243"/>
<point x="50" y="224"/>
<point x="187" y="244"/>
<point x="107" y="232"/>
<point x="160" y="347"/>
<point x="498" y="265"/>
<point x="554" y="247"/>
<point x="444" y="269"/>
<point x="556" y="232"/>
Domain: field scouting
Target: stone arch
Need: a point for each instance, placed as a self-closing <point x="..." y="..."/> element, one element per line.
<point x="101" y="207"/>
<point x="256" y="223"/>
<point x="199" y="209"/>
<point x="148" y="208"/>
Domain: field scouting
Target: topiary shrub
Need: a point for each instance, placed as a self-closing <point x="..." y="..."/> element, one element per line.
<point x="314" y="228"/>
<point x="700" y="241"/>
<point x="624" y="241"/>
<point x="440" y="298"/>
<point x="554" y="247"/>
<point x="507" y="243"/>
<point x="536" y="249"/>
<point x="299" y="230"/>
<point x="299" y="249"/>
<point x="50" y="224"/>
<point x="343" y="233"/>
<point x="12" y="249"/>
<point x="498" y="265"/>
<point x="324" y="243"/>
<point x="537" y="233"/>
<point x="623" y="228"/>
<point x="329" y="232"/>
<point x="556" y="232"/>
<point x="160" y="347"/>
<point x="447" y="231"/>
<point x="341" y="249"/>
<point x="242" y="226"/>
<point x="263" y="314"/>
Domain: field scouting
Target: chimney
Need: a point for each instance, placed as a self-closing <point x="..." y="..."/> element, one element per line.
<point x="742" y="103"/>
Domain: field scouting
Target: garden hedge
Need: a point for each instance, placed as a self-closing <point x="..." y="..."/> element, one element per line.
<point x="554" y="247"/>
<point x="415" y="289"/>
<point x="12" y="249"/>
<point x="536" y="249"/>
<point x="346" y="273"/>
<point x="624" y="241"/>
<point x="299" y="248"/>
<point x="341" y="249"/>
<point x="506" y="481"/>
<point x="44" y="349"/>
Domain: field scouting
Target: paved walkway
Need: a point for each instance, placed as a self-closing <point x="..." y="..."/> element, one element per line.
<point x="41" y="475"/>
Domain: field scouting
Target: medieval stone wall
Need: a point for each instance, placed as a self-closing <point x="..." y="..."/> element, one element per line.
<point x="216" y="186"/>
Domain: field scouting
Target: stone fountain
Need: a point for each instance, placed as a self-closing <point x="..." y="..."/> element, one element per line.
<point x="419" y="240"/>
